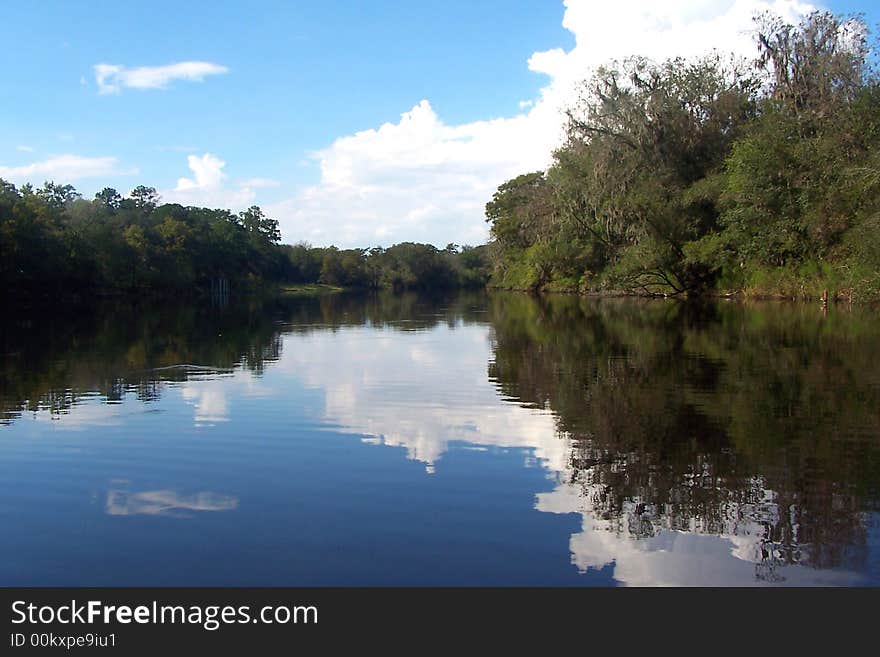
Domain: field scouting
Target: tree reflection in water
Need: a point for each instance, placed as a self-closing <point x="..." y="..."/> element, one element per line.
<point x="757" y="423"/>
<point x="752" y="422"/>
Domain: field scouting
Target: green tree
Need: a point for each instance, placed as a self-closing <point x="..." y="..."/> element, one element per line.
<point x="109" y="198"/>
<point x="145" y="198"/>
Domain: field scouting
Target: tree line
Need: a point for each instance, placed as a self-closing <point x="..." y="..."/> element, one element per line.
<point x="707" y="176"/>
<point x="404" y="266"/>
<point x="54" y="242"/>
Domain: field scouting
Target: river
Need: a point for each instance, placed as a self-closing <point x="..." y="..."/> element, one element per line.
<point x="470" y="439"/>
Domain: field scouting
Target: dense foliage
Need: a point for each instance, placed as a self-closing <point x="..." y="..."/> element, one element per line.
<point x="53" y="242"/>
<point x="403" y="266"/>
<point x="705" y="176"/>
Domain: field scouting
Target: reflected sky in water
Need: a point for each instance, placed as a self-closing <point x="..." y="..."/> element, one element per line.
<point x="462" y="441"/>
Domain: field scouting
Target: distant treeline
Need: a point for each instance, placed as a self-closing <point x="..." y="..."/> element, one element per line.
<point x="52" y="241"/>
<point x="403" y="266"/>
<point x="687" y="177"/>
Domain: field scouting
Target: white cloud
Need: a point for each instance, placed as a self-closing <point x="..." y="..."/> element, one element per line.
<point x="423" y="179"/>
<point x="403" y="180"/>
<point x="111" y="78"/>
<point x="64" y="169"/>
<point x="25" y="149"/>
<point x="658" y="30"/>
<point x="208" y="186"/>
<point x="207" y="170"/>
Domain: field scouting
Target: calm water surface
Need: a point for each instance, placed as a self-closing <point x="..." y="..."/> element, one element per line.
<point x="471" y="440"/>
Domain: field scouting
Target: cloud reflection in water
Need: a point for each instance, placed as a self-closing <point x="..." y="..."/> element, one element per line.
<point x="122" y="502"/>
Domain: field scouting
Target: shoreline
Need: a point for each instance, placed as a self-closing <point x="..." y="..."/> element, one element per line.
<point x="308" y="289"/>
<point x="836" y="298"/>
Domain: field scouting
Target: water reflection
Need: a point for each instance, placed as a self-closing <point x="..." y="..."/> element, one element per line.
<point x="52" y="361"/>
<point x="122" y="502"/>
<point x="756" y="425"/>
<point x="421" y="394"/>
<point x="677" y="445"/>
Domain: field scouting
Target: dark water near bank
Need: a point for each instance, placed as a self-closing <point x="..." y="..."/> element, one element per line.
<point x="469" y="440"/>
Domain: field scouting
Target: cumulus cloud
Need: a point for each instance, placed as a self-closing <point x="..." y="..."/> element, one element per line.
<point x="404" y="180"/>
<point x="208" y="185"/>
<point x="422" y="179"/>
<point x="111" y="78"/>
<point x="207" y="173"/>
<point x="64" y="169"/>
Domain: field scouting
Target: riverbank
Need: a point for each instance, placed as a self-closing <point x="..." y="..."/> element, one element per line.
<point x="797" y="292"/>
<point x="309" y="289"/>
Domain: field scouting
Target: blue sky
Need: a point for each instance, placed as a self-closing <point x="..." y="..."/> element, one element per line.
<point x="350" y="122"/>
